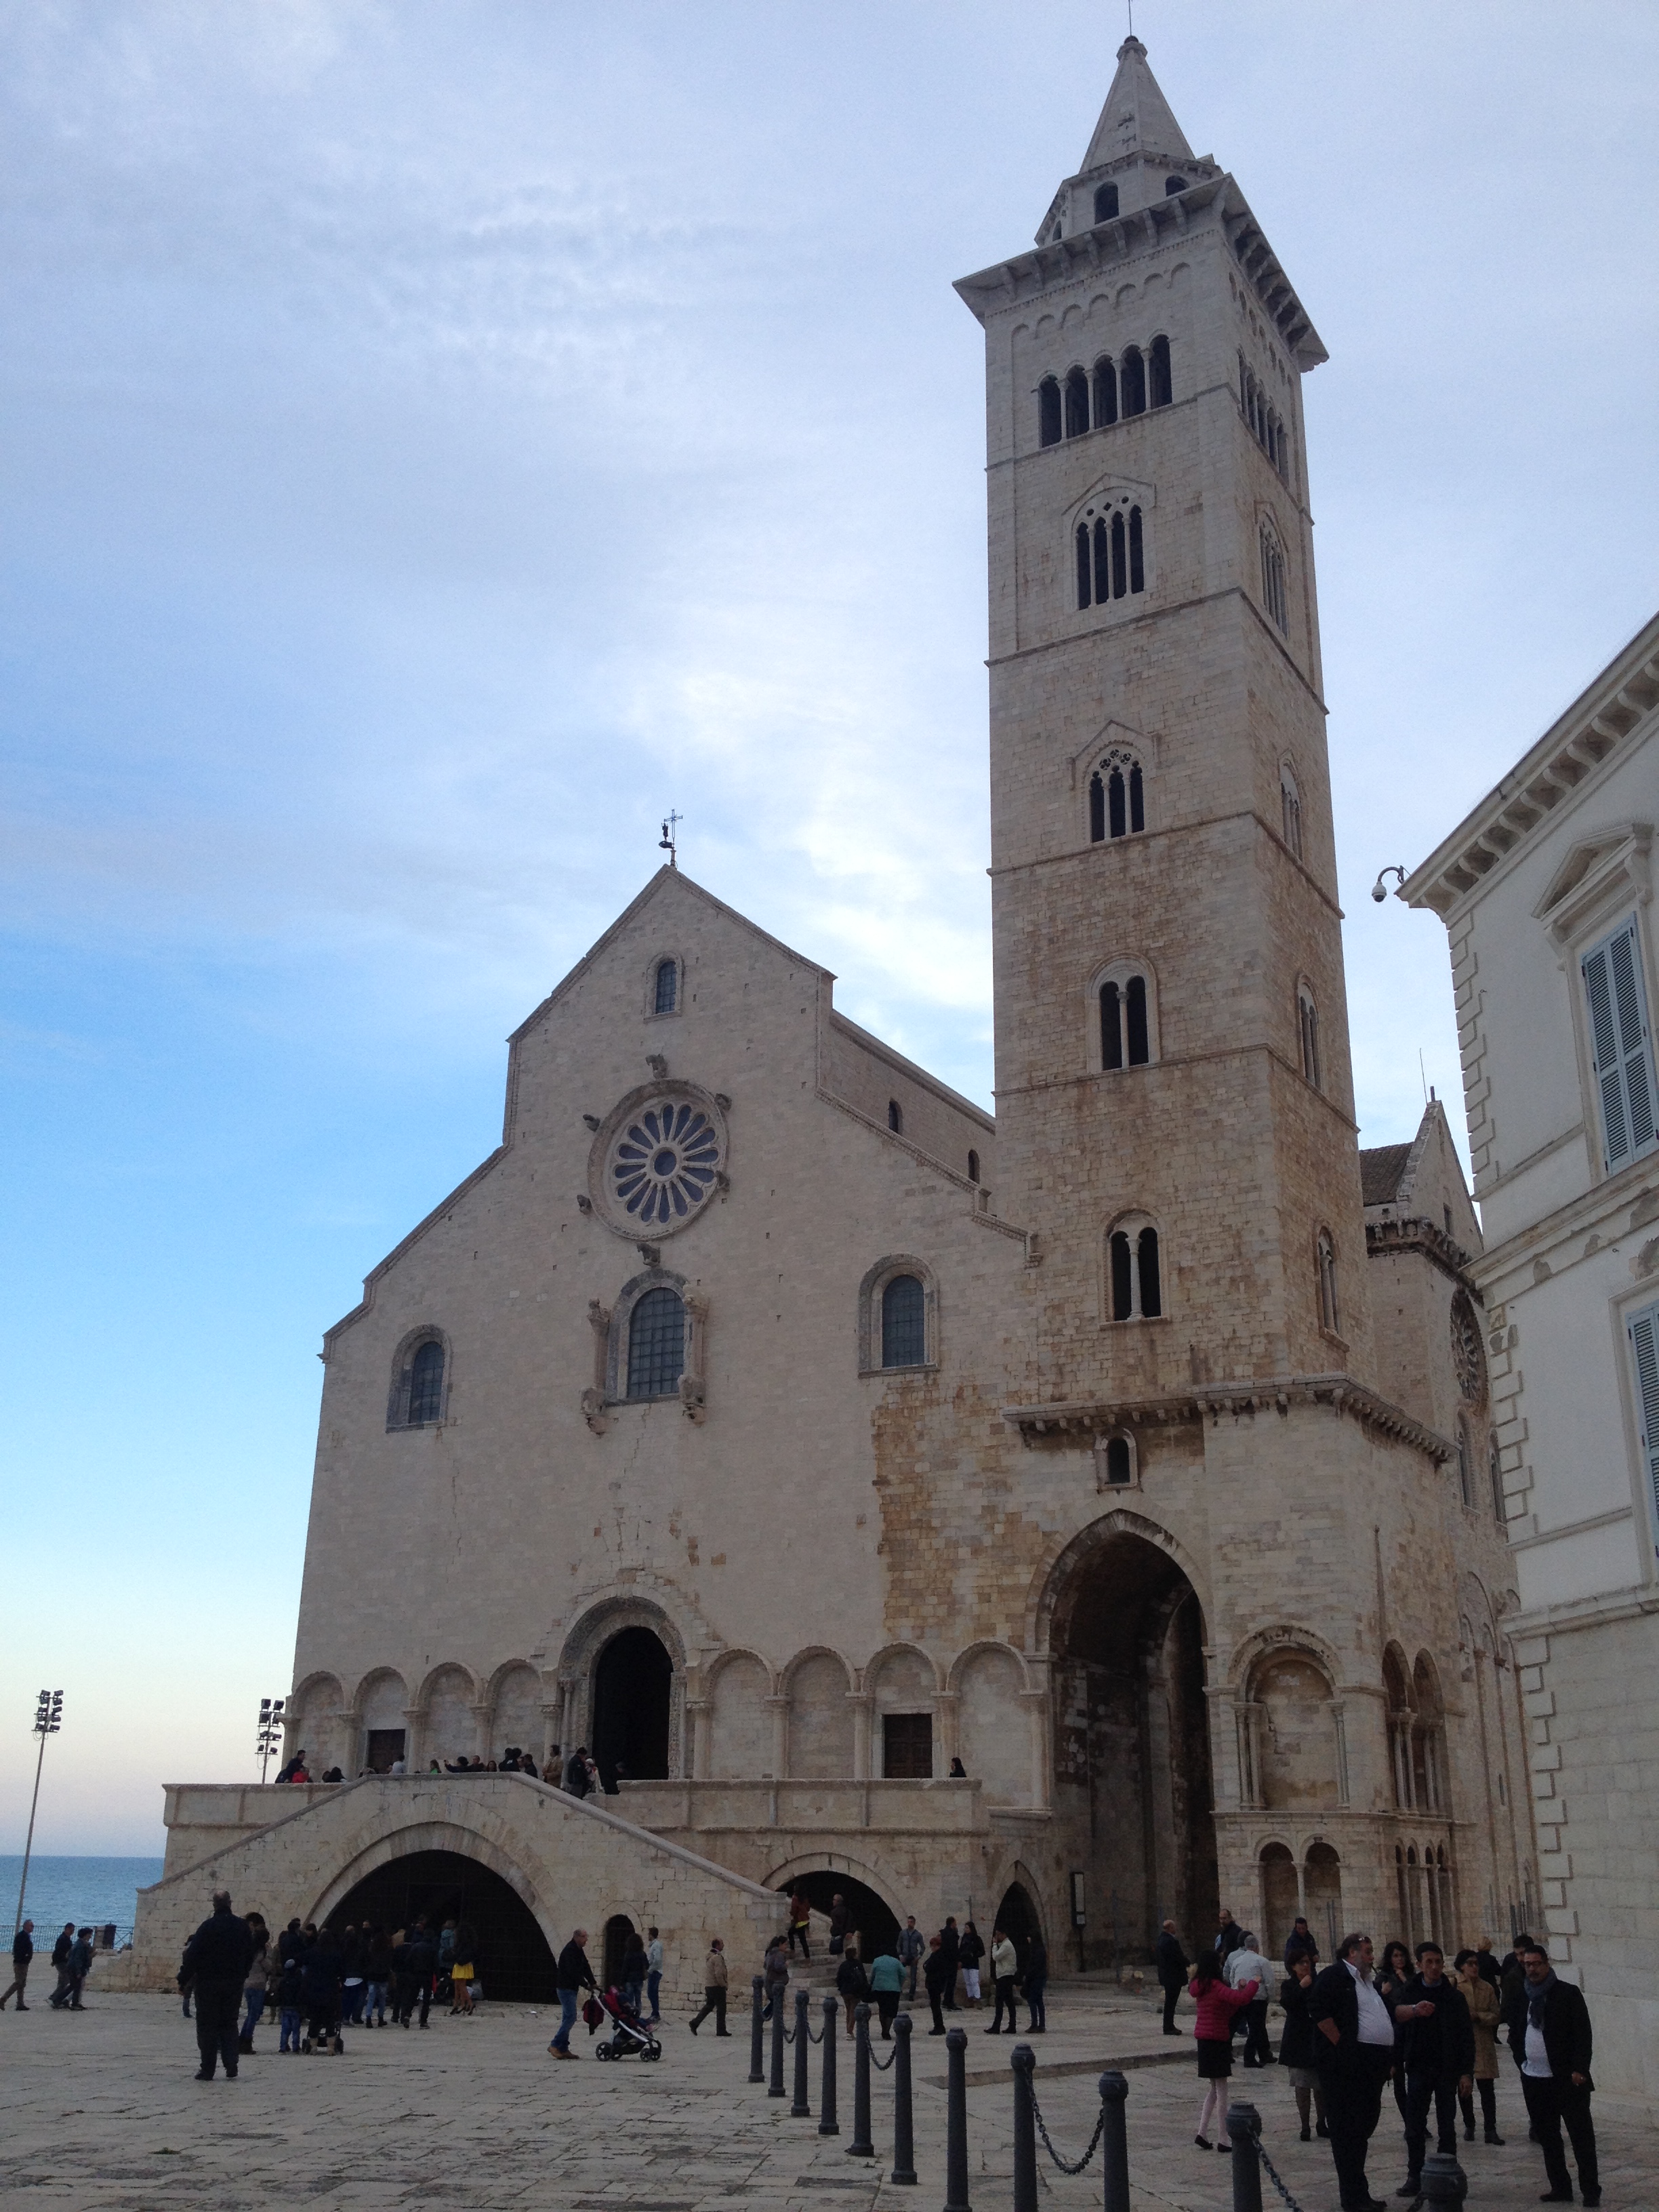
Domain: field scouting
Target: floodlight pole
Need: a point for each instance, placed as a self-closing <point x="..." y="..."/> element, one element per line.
<point x="48" y="1713"/>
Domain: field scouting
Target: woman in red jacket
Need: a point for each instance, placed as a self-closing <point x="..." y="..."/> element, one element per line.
<point x="1217" y="2004"/>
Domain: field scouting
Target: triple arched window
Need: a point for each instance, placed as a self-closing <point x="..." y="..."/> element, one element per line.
<point x="1265" y="426"/>
<point x="1117" y="797"/>
<point x="1117" y="387"/>
<point x="1274" y="595"/>
<point x="1110" y="546"/>
<point x="1135" y="1283"/>
<point x="1307" y="1023"/>
<point x="1330" y="1313"/>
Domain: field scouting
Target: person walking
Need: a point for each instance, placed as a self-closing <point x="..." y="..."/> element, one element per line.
<point x="23" y="1951"/>
<point x="571" y="1977"/>
<point x="714" y="1983"/>
<point x="377" y="1977"/>
<point x="654" y="1962"/>
<point x="1247" y="1964"/>
<point x="1036" y="1985"/>
<point x="775" y="1966"/>
<point x="1005" y="1966"/>
<point x="1550" y="2035"/>
<point x="60" y="1951"/>
<point x="969" y="1952"/>
<point x="911" y="1950"/>
<point x="1485" y="2017"/>
<point x="1217" y="2004"/>
<point x="800" y="1926"/>
<point x="950" y="1939"/>
<point x="1300" y="1944"/>
<point x="937" y="1975"/>
<point x="417" y="1965"/>
<point x="76" y="1967"/>
<point x="852" y="1985"/>
<point x="1297" y="2045"/>
<point x="1439" y="2053"/>
<point x="215" y="1963"/>
<point x="1355" y="2052"/>
<point x="351" y="1980"/>
<point x="886" y="1985"/>
<point x="1172" y="1965"/>
<point x="253" y="1983"/>
<point x="841" y="1920"/>
<point x="463" y="1969"/>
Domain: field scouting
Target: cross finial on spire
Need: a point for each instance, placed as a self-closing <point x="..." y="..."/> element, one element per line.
<point x="669" y="841"/>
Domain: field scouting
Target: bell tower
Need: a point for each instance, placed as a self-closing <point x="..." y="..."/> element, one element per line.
<point x="1174" y="1105"/>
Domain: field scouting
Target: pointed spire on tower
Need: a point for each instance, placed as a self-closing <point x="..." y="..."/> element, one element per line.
<point x="1136" y="119"/>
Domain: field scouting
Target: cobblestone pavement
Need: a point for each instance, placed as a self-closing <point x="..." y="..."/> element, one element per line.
<point x="100" y="2111"/>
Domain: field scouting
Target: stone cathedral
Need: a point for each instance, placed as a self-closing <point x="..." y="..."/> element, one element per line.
<point x="1081" y="1516"/>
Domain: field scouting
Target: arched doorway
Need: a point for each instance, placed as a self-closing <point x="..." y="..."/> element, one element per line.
<point x="1016" y="1917"/>
<point x="1132" y="1797"/>
<point x="513" y="1959"/>
<point x="633" y="1680"/>
<point x="872" y="1920"/>
<point x="617" y="1929"/>
<point x="1280" y="1903"/>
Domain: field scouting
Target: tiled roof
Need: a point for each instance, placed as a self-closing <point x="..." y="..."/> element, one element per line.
<point x="1380" y="1170"/>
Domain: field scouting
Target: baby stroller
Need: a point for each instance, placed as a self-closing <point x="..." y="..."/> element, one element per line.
<point x="629" y="2037"/>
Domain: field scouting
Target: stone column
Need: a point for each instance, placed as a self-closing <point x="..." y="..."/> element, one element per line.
<point x="484" y="1721"/>
<point x="947" y="1708"/>
<point x="1035" y="1702"/>
<point x="703" y="1717"/>
<point x="779" y="1708"/>
<point x="552" y="1718"/>
<point x="1340" y="1731"/>
<point x="413" y="1745"/>
<point x="863" y="1706"/>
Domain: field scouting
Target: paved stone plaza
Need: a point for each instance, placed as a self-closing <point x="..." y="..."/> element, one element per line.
<point x="102" y="2112"/>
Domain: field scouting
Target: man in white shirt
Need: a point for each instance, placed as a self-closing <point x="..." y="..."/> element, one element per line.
<point x="1356" y="2054"/>
<point x="1245" y="1964"/>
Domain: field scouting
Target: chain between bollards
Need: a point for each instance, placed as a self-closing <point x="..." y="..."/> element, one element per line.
<point x="904" y="2134"/>
<point x="801" y="2109"/>
<point x="774" y="2087"/>
<point x="861" y="2146"/>
<point x="758" y="2032"/>
<point x="827" y="2124"/>
<point x="956" y="2121"/>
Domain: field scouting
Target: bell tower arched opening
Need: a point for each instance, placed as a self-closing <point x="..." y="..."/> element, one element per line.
<point x="1132" y="1748"/>
<point x="633" y="1686"/>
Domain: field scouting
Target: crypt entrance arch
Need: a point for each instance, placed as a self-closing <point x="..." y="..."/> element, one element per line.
<point x="1132" y="1797"/>
<point x="514" y="1958"/>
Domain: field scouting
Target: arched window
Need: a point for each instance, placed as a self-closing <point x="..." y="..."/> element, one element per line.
<point x="1495" y="1477"/>
<point x="1048" y="414"/>
<point x="903" y="1323"/>
<point x="973" y="1165"/>
<point x="1325" y="1260"/>
<point x="656" y="1345"/>
<point x="1077" y="402"/>
<point x="1132" y="382"/>
<point x="1136" y="1287"/>
<point x="1105" y="393"/>
<point x="426" y="1385"/>
<point x="1289" y="808"/>
<point x="1273" y="581"/>
<point x="894" y="1117"/>
<point x="1464" y="1465"/>
<point x="1307" y="1020"/>
<point x="1117" y="1467"/>
<point x="1105" y="203"/>
<point x="1172" y="185"/>
<point x="1163" y="388"/>
<point x="1117" y="802"/>
<point x="667" y="994"/>
<point x="1125" y="1034"/>
<point x="1111" y="555"/>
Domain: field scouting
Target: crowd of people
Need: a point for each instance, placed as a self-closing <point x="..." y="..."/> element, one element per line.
<point x="1356" y="2026"/>
<point x="951" y="1961"/>
<point x="71" y="1960"/>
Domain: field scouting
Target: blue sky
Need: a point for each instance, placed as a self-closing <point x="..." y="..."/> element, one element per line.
<point x="440" y="437"/>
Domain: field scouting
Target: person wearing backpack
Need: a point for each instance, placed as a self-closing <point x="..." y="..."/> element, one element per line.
<point x="852" y="1985"/>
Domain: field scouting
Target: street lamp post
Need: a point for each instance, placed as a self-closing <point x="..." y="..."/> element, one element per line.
<point x="270" y="1729"/>
<point x="48" y="1719"/>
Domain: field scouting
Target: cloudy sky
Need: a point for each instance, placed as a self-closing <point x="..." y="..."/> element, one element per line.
<point x="440" y="436"/>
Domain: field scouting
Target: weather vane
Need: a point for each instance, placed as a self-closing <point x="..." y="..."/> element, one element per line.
<point x="666" y="842"/>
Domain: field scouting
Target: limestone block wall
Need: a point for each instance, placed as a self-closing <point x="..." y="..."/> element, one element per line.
<point x="573" y="1863"/>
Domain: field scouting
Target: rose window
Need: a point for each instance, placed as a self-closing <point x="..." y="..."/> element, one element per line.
<point x="1468" y="1358"/>
<point x="664" y="1162"/>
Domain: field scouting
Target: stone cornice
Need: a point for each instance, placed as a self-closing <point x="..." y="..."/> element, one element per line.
<point x="1085" y="1419"/>
<point x="1385" y="1238"/>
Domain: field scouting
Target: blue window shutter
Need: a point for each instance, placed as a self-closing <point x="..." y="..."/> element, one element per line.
<point x="1643" y="1330"/>
<point x="1622" y="1043"/>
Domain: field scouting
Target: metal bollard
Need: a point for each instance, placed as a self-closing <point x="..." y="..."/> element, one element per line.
<point x="861" y="2146"/>
<point x="956" y="2121"/>
<point x="1444" y="2181"/>
<point x="1114" y="2142"/>
<point x="1244" y="2125"/>
<point x="757" y="2034"/>
<point x="1023" y="2059"/>
<point x="827" y="2124"/>
<point x="904" y="2131"/>
<point x="774" y="2087"/>
<point x="801" y="2110"/>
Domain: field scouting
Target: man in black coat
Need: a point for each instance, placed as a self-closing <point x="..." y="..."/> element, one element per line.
<point x="22" y="1950"/>
<point x="1549" y="2027"/>
<point x="1172" y="1963"/>
<point x="1355" y="2050"/>
<point x="950" y="1942"/>
<point x="413" y="1965"/>
<point x="1438" y="2051"/>
<point x="1229" y="1934"/>
<point x="215" y="1963"/>
<point x="571" y="1977"/>
<point x="1300" y="1944"/>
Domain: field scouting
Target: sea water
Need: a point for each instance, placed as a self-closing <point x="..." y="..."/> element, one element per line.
<point x="90" y="1891"/>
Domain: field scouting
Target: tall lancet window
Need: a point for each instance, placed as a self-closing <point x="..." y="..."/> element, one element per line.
<point x="1117" y="797"/>
<point x="1111" y="553"/>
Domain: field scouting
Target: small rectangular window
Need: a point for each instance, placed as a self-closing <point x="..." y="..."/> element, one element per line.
<point x="1621" y="1045"/>
<point x="1642" y="1330"/>
<point x="907" y="1747"/>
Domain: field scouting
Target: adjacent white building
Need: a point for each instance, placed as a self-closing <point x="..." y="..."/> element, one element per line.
<point x="1545" y="890"/>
